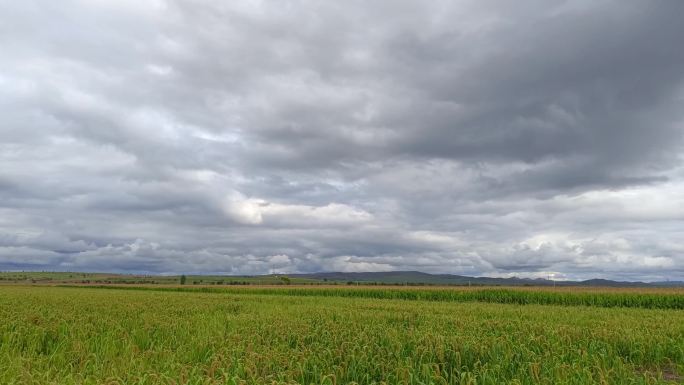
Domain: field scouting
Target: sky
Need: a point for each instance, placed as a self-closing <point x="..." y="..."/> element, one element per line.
<point x="485" y="138"/>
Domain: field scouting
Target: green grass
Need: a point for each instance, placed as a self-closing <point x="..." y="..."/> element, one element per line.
<point x="54" y="335"/>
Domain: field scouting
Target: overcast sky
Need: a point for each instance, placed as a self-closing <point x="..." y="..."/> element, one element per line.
<point x="493" y="138"/>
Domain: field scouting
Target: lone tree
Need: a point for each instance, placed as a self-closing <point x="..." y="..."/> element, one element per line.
<point x="182" y="279"/>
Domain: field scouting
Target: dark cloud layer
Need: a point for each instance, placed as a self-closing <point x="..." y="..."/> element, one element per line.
<point x="535" y="138"/>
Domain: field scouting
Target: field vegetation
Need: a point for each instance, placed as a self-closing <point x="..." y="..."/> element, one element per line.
<point x="57" y="335"/>
<point x="609" y="297"/>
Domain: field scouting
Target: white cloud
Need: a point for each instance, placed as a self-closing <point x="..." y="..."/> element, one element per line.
<point x="244" y="210"/>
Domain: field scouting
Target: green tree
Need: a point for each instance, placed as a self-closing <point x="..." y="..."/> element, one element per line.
<point x="182" y="279"/>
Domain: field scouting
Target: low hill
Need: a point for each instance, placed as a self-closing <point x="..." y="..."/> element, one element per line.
<point x="416" y="277"/>
<point x="380" y="278"/>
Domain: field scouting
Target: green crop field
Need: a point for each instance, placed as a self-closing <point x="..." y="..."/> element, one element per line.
<point x="63" y="335"/>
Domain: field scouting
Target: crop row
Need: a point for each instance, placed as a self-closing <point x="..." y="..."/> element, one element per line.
<point x="504" y="296"/>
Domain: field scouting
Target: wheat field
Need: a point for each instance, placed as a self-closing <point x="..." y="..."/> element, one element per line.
<point x="59" y="335"/>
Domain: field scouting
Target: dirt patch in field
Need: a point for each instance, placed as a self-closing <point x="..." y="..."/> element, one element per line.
<point x="667" y="373"/>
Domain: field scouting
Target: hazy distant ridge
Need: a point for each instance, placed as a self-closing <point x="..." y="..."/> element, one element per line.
<point x="416" y="277"/>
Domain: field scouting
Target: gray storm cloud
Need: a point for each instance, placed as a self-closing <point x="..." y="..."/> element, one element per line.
<point x="247" y="137"/>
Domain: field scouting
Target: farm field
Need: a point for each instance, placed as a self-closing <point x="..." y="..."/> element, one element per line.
<point x="201" y="335"/>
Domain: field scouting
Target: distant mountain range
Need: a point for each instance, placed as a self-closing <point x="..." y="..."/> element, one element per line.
<point x="383" y="278"/>
<point x="417" y="277"/>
